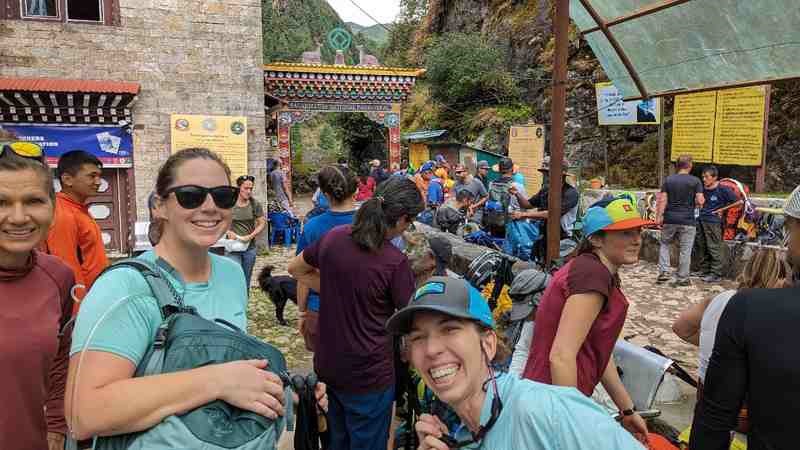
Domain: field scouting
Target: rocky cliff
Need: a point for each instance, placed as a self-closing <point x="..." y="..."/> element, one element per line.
<point x="523" y="29"/>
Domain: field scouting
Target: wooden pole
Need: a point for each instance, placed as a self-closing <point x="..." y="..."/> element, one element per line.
<point x="761" y="171"/>
<point x="558" y="120"/>
<point x="661" y="152"/>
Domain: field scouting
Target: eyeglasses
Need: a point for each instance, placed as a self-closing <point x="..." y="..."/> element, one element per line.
<point x="24" y="149"/>
<point x="191" y="196"/>
<point x="497" y="408"/>
<point x="244" y="178"/>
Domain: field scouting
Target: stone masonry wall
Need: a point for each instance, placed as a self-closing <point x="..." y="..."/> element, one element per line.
<point x="190" y="56"/>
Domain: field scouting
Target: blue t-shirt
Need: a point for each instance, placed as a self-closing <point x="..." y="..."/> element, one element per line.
<point x="715" y="199"/>
<point x="133" y="316"/>
<point x="435" y="192"/>
<point x="541" y="416"/>
<point x="312" y="232"/>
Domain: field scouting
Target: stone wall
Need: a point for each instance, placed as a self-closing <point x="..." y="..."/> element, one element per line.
<point x="189" y="56"/>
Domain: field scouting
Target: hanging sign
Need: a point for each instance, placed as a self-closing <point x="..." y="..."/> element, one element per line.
<point x="113" y="146"/>
<point x="612" y="110"/>
<point x="225" y="135"/>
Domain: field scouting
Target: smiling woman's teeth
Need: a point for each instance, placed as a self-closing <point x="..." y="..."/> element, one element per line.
<point x="441" y="373"/>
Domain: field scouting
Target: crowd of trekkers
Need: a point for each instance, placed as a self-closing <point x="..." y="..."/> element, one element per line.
<point x="376" y="305"/>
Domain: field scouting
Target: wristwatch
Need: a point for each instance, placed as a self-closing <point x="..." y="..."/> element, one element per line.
<point x="627" y="412"/>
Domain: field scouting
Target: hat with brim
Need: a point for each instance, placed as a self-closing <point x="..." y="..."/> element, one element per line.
<point x="613" y="214"/>
<point x="445" y="295"/>
<point x="545" y="167"/>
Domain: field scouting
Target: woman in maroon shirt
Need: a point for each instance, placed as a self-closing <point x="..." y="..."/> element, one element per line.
<point x="35" y="294"/>
<point x="583" y="309"/>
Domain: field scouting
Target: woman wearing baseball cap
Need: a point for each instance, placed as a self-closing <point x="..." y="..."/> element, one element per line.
<point x="452" y="343"/>
<point x="582" y="312"/>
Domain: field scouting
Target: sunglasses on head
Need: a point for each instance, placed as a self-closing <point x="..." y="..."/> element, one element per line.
<point x="244" y="178"/>
<point x="24" y="149"/>
<point x="191" y="196"/>
<point x="497" y="408"/>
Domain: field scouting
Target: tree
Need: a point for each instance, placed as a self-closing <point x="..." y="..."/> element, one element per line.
<point x="466" y="69"/>
<point x="398" y="50"/>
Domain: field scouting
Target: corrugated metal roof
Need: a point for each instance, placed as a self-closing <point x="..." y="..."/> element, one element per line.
<point x="423" y="135"/>
<point x="67" y="86"/>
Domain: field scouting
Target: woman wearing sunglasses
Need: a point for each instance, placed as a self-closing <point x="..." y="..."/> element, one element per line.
<point x="248" y="222"/>
<point x="35" y="293"/>
<point x="451" y="341"/>
<point x="193" y="210"/>
<point x="583" y="309"/>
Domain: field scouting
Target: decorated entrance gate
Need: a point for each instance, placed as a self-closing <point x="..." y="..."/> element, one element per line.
<point x="299" y="91"/>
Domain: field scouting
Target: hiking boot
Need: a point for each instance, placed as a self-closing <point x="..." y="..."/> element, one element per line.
<point x="662" y="277"/>
<point x="712" y="278"/>
<point x="681" y="283"/>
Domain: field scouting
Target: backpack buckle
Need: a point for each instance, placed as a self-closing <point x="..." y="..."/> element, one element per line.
<point x="161" y="336"/>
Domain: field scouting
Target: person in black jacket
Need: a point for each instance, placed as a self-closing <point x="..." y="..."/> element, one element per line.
<point x="755" y="357"/>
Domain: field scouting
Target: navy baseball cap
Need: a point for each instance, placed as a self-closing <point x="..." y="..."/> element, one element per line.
<point x="447" y="295"/>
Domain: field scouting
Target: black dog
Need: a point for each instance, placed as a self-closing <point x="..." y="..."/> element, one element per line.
<point x="280" y="288"/>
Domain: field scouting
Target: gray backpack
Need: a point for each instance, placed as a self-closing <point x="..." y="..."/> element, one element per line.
<point x="186" y="341"/>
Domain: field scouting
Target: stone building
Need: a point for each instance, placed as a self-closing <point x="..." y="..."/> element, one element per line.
<point x="131" y="64"/>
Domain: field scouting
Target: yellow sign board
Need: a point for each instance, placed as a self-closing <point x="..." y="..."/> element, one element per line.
<point x="739" y="134"/>
<point x="526" y="148"/>
<point x="225" y="135"/>
<point x="726" y="127"/>
<point x="693" y="126"/>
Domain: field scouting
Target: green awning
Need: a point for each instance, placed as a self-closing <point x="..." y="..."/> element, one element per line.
<point x="416" y="136"/>
<point x="659" y="47"/>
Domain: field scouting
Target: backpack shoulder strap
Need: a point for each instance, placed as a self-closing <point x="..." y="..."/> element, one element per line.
<point x="168" y="299"/>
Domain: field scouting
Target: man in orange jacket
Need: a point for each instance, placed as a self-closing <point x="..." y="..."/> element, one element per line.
<point x="74" y="236"/>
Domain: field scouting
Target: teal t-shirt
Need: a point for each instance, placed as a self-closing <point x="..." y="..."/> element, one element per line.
<point x="541" y="416"/>
<point x="127" y="328"/>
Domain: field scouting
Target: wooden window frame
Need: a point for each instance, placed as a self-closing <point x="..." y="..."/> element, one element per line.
<point x="109" y="12"/>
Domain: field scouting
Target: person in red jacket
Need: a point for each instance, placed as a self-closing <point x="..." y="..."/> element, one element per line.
<point x="75" y="237"/>
<point x="35" y="293"/>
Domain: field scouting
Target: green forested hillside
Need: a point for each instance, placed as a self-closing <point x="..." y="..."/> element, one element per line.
<point x="377" y="33"/>
<point x="294" y="26"/>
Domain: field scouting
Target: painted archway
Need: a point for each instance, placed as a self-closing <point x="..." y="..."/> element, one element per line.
<point x="300" y="91"/>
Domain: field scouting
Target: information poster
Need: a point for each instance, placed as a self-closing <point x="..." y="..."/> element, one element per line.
<point x="739" y="132"/>
<point x="612" y="110"/>
<point x="225" y="135"/>
<point x="693" y="126"/>
<point x="526" y="148"/>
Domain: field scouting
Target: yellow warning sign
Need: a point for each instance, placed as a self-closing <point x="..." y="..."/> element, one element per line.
<point x="739" y="131"/>
<point x="693" y="126"/>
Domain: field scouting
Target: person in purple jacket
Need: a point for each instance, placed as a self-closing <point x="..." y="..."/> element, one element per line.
<point x="362" y="280"/>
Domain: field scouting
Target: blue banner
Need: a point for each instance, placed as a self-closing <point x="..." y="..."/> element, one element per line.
<point x="112" y="145"/>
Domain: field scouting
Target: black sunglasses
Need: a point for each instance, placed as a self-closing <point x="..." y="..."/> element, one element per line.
<point x="191" y="196"/>
<point x="244" y="178"/>
<point x="497" y="408"/>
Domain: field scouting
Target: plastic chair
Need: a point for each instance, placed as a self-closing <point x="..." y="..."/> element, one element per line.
<point x="283" y="225"/>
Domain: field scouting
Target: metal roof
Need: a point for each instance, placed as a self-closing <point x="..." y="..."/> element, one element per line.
<point x="661" y="47"/>
<point x="424" y="135"/>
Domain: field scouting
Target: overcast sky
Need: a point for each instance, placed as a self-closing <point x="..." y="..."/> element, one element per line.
<point x="383" y="10"/>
